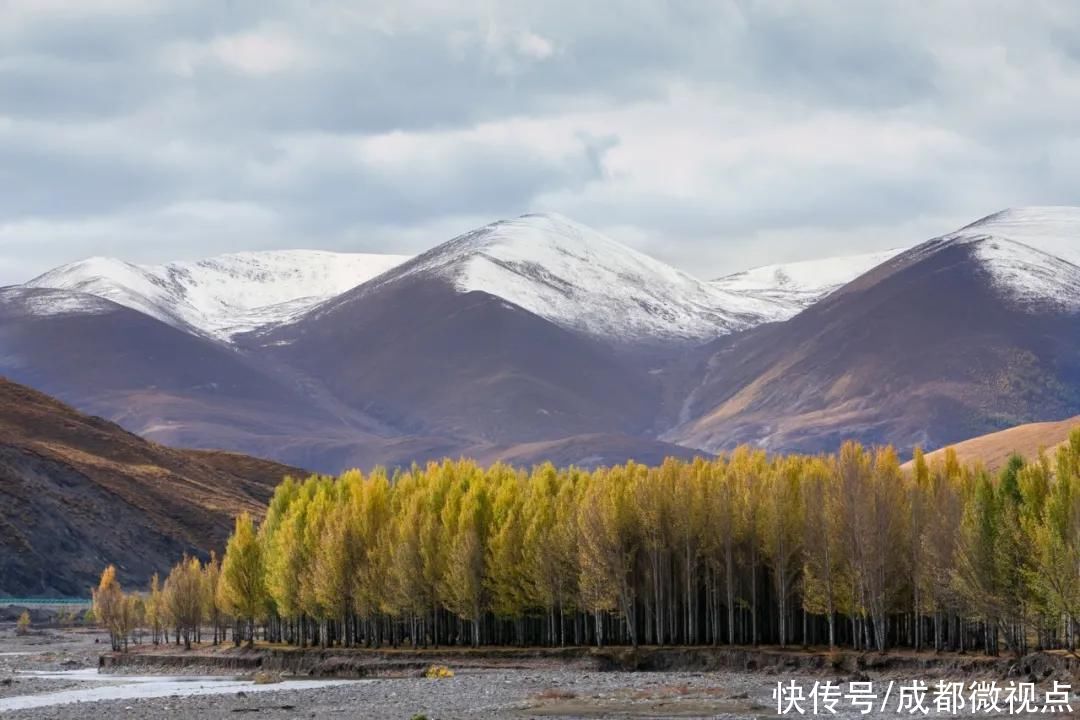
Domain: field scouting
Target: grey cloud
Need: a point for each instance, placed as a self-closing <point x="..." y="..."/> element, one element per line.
<point x="57" y="183"/>
<point x="43" y="88"/>
<point x="488" y="182"/>
<point x="830" y="59"/>
<point x="172" y="123"/>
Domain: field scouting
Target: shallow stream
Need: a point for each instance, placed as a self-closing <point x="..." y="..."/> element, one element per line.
<point x="131" y="687"/>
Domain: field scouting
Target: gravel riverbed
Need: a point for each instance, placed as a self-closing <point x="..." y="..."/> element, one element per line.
<point x="55" y="670"/>
<point x="475" y="694"/>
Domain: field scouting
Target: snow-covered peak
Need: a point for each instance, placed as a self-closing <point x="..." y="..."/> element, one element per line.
<point x="223" y="295"/>
<point x="801" y="284"/>
<point x="581" y="279"/>
<point x="1019" y="248"/>
<point x="1052" y="229"/>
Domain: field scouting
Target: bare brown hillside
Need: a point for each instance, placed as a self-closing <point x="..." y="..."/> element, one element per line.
<point x="993" y="450"/>
<point x="78" y="492"/>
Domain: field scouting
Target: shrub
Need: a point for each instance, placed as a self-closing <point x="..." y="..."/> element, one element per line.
<point x="437" y="672"/>
<point x="23" y="626"/>
<point x="265" y="678"/>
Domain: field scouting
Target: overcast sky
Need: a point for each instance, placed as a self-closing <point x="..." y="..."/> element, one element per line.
<point x="712" y="135"/>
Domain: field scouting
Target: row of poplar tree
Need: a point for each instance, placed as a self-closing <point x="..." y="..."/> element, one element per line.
<point x="747" y="548"/>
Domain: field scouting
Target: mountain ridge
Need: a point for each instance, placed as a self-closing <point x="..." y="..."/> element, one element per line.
<point x="545" y="263"/>
<point x="222" y="295"/>
<point x="942" y="326"/>
<point x="539" y="330"/>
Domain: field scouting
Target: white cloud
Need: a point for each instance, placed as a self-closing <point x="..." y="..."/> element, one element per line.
<point x="534" y="46"/>
<point x="255" y="53"/>
<point x="258" y="53"/>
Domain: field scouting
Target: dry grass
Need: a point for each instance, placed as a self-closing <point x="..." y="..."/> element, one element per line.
<point x="265" y="678"/>
<point x="993" y="450"/>
<point x="438" y="672"/>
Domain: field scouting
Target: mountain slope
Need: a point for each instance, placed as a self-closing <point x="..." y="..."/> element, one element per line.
<point x="421" y="356"/>
<point x="223" y="295"/>
<point x="584" y="451"/>
<point x="527" y="330"/>
<point x="164" y="383"/>
<point x="78" y="492"/>
<point x="961" y="335"/>
<point x="189" y="391"/>
<point x="994" y="449"/>
<point x="534" y="330"/>
<point x="541" y="333"/>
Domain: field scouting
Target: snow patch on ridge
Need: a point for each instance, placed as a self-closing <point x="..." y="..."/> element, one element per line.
<point x="47" y="303"/>
<point x="1030" y="277"/>
<point x="222" y="296"/>
<point x="1052" y="229"/>
<point x="800" y="284"/>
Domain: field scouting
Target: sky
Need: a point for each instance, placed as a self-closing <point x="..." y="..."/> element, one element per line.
<point x="712" y="135"/>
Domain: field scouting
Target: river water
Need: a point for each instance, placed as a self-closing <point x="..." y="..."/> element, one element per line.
<point x="132" y="687"/>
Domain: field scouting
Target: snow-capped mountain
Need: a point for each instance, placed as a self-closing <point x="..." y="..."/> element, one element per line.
<point x="797" y="285"/>
<point x="1029" y="253"/>
<point x="547" y="264"/>
<point x="1040" y="248"/>
<point x="972" y="329"/>
<point x="223" y="295"/>
<point x="580" y="279"/>
<point x="532" y="329"/>
<point x="557" y="269"/>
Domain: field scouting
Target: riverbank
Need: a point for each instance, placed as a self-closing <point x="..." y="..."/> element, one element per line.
<point x="409" y="662"/>
<point x="54" y="675"/>
<point x="470" y="694"/>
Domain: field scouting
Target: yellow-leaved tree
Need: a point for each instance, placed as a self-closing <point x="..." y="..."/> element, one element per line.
<point x="242" y="587"/>
<point x="108" y="602"/>
<point x="782" y="535"/>
<point x="183" y="595"/>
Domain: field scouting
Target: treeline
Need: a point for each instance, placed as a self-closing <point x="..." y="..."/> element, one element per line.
<point x="845" y="549"/>
<point x="192" y="600"/>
